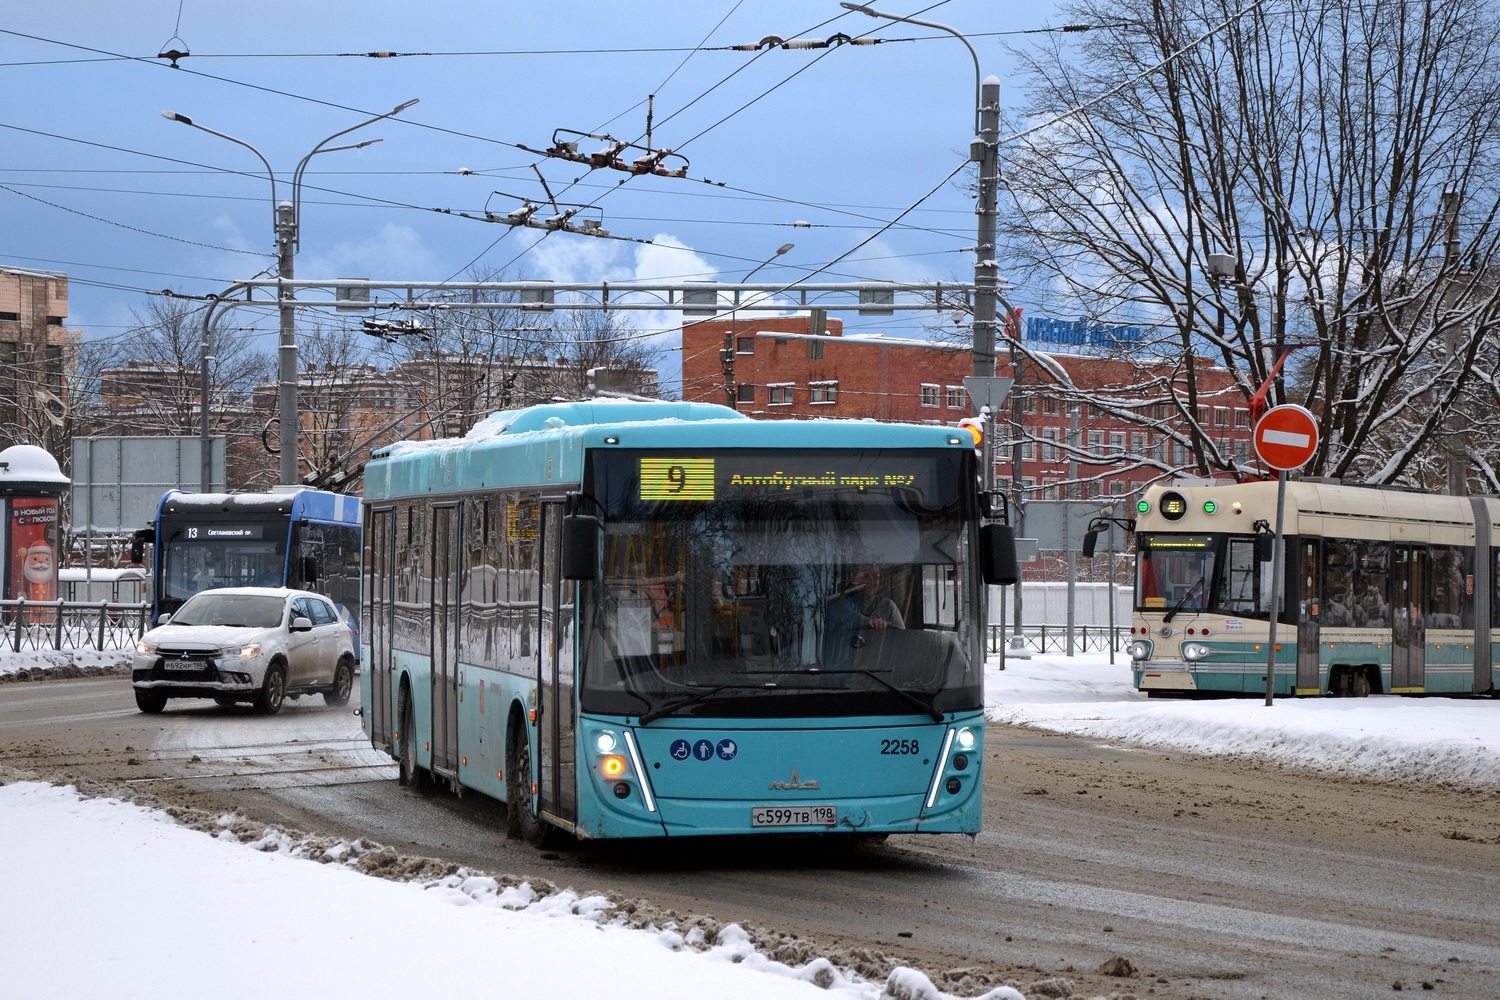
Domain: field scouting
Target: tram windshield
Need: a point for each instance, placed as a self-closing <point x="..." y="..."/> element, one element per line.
<point x="1182" y="573"/>
<point x="760" y="584"/>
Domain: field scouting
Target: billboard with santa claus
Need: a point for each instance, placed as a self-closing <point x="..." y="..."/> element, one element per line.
<point x="31" y="572"/>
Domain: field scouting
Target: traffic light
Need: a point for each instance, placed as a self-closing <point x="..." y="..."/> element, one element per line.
<point x="974" y="426"/>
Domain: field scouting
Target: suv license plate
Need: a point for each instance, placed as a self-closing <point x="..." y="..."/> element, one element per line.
<point x="793" y="815"/>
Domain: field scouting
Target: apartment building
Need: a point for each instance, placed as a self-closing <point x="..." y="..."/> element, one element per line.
<point x="33" y="357"/>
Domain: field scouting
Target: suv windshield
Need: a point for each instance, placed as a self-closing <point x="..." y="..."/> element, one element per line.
<point x="252" y="610"/>
<point x="759" y="584"/>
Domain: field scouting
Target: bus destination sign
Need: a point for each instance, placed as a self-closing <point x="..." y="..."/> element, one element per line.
<point x="685" y="478"/>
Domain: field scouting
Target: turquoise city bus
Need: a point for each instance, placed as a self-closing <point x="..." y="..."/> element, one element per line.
<point x="639" y="619"/>
<point x="1385" y="591"/>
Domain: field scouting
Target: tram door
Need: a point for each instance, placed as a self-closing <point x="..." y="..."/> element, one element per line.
<point x="1310" y="607"/>
<point x="558" y="795"/>
<point x="379" y="546"/>
<point x="445" y="553"/>
<point x="1409" y="632"/>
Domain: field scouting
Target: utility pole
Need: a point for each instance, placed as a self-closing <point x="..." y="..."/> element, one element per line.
<point x="1458" y="478"/>
<point x="286" y="352"/>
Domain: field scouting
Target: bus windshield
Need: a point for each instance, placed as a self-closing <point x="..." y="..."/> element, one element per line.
<point x="201" y="556"/>
<point x="758" y="584"/>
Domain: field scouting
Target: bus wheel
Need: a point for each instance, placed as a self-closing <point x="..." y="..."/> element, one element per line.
<point x="521" y="818"/>
<point x="150" y="702"/>
<point x="410" y="774"/>
<point x="343" y="683"/>
<point x="272" y="694"/>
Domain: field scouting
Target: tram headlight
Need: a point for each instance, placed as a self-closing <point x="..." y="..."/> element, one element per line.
<point x="1139" y="650"/>
<point x="1194" y="651"/>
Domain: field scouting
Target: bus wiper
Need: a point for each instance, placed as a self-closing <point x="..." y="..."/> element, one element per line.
<point x="906" y="696"/>
<point x="674" y="707"/>
<point x="1178" y="606"/>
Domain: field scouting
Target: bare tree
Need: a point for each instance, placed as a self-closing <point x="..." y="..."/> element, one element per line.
<point x="149" y="382"/>
<point x="335" y="376"/>
<point x="1312" y="144"/>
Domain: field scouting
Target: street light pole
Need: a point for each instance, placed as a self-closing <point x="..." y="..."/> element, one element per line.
<point x="726" y="355"/>
<point x="285" y="224"/>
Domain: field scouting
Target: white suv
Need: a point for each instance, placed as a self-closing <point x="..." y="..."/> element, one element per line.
<point x="260" y="644"/>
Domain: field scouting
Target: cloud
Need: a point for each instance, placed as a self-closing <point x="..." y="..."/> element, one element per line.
<point x="391" y="251"/>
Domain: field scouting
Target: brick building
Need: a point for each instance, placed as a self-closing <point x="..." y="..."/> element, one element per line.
<point x="33" y="357"/>
<point x="781" y="368"/>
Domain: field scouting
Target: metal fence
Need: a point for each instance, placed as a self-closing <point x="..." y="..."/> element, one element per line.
<point x="40" y="625"/>
<point x="1054" y="638"/>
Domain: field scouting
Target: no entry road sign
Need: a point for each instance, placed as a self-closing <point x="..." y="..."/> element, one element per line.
<point x="1286" y="437"/>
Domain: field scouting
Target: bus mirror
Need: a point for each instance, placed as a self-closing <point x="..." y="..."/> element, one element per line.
<point x="580" y="547"/>
<point x="1263" y="541"/>
<point x="138" y="540"/>
<point x="309" y="569"/>
<point x="997" y="554"/>
<point x="1090" y="538"/>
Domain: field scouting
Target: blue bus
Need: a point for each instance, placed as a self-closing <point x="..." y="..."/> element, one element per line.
<point x="303" y="538"/>
<point x="657" y="619"/>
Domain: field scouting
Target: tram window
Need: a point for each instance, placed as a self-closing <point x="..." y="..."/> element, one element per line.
<point x="1245" y="587"/>
<point x="1340" y="583"/>
<point x="1372" y="583"/>
<point x="1452" y="601"/>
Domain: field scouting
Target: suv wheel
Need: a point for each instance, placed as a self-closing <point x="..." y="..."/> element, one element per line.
<point x="149" y="701"/>
<point x="343" y="683"/>
<point x="272" y="690"/>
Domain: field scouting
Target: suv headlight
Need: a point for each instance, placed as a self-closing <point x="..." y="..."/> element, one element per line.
<point x="145" y="648"/>
<point x="1194" y="651"/>
<point x="247" y="650"/>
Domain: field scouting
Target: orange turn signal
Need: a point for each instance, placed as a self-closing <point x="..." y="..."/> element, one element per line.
<point x="613" y="766"/>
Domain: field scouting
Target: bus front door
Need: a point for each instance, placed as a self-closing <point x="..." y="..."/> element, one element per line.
<point x="556" y="774"/>
<point x="380" y="546"/>
<point x="445" y="553"/>
<point x="1409" y="632"/>
<point x="1310" y="608"/>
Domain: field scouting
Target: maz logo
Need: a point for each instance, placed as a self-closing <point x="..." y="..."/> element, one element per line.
<point x="794" y="785"/>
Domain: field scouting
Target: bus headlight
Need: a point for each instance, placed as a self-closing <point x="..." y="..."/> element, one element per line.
<point x="1194" y="651"/>
<point x="1139" y="650"/>
<point x="966" y="739"/>
<point x="605" y="741"/>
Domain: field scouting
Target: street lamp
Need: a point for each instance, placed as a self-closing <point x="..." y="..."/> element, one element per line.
<point x="726" y="353"/>
<point x="985" y="151"/>
<point x="285" y="221"/>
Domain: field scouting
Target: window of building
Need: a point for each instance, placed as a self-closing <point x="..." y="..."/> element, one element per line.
<point x="1049" y="405"/>
<point x="1221" y="416"/>
<point x="745" y="393"/>
<point x="781" y="395"/>
<point x="1117" y="442"/>
<point x="1242" y="419"/>
<point x="744" y="345"/>
<point x="1118" y="487"/>
<point x="1049" y="489"/>
<point x="1137" y="443"/>
<point x="1049" y="444"/>
<point x="930" y="394"/>
<point x="824" y="392"/>
<point x="1203" y="415"/>
<point x="957" y="398"/>
<point x="1028" y="404"/>
<point x="1096" y="441"/>
<point x="1028" y="450"/>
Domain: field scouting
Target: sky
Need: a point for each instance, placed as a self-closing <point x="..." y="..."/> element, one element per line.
<point x="821" y="148"/>
<point x="61" y="849"/>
